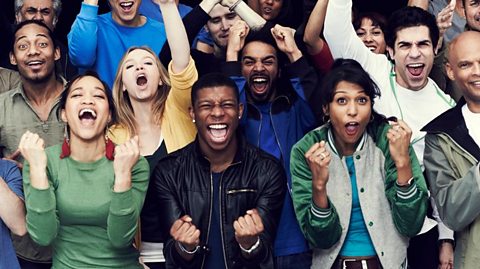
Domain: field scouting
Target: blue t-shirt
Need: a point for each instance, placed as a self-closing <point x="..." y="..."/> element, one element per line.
<point x="11" y="175"/>
<point x="357" y="241"/>
<point x="215" y="258"/>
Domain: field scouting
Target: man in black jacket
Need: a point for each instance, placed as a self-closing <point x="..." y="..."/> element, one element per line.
<point x="221" y="198"/>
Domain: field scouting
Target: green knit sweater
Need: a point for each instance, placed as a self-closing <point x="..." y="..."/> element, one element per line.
<point x="89" y="225"/>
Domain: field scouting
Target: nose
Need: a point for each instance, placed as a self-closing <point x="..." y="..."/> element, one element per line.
<point x="367" y="37"/>
<point x="269" y="2"/>
<point x="217" y="110"/>
<point x="38" y="16"/>
<point x="352" y="109"/>
<point x="476" y="69"/>
<point x="139" y="67"/>
<point x="225" y="25"/>
<point x="33" y="50"/>
<point x="414" y="51"/>
<point x="258" y="66"/>
<point x="87" y="99"/>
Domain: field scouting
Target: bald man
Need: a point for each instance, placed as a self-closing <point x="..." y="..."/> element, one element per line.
<point x="452" y="152"/>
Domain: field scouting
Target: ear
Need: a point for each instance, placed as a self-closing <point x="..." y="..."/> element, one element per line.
<point x="325" y="110"/>
<point x="390" y="53"/>
<point x="57" y="53"/>
<point x="18" y="17"/>
<point x="192" y="114"/>
<point x="63" y="116"/>
<point x="240" y="110"/>
<point x="13" y="61"/>
<point x="449" y="71"/>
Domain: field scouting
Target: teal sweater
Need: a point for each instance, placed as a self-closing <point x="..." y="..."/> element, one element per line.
<point x="89" y="225"/>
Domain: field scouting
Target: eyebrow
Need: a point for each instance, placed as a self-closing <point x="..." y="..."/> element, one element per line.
<point x="262" y="59"/>
<point x="37" y="35"/>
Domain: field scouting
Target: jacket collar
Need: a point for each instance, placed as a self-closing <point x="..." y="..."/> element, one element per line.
<point x="452" y="123"/>
<point x="239" y="155"/>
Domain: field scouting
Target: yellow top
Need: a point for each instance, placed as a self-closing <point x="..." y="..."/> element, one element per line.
<point x="177" y="127"/>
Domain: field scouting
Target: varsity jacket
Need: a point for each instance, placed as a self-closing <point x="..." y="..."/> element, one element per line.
<point x="392" y="214"/>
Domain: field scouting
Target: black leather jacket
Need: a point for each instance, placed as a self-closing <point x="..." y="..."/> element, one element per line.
<point x="183" y="181"/>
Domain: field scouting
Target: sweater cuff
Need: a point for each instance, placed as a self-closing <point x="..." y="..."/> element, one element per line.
<point x="407" y="193"/>
<point x="41" y="201"/>
<point x="322" y="213"/>
<point x="122" y="203"/>
<point x="88" y="12"/>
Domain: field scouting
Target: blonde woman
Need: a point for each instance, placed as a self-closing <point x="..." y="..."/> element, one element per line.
<point x="153" y="104"/>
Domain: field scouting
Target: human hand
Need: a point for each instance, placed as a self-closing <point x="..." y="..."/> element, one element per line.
<point x="184" y="232"/>
<point x="399" y="136"/>
<point x="32" y="148"/>
<point x="445" y="256"/>
<point x="159" y="2"/>
<point x="126" y="156"/>
<point x="445" y="17"/>
<point x="284" y="37"/>
<point x="318" y="158"/>
<point x="236" y="39"/>
<point x="13" y="158"/>
<point x="248" y="228"/>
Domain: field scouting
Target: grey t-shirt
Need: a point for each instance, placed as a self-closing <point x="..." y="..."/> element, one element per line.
<point x="458" y="22"/>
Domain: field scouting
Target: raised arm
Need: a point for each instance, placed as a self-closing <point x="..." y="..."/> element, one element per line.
<point x="314" y="28"/>
<point x="176" y="35"/>
<point x="42" y="219"/>
<point x="82" y="38"/>
<point x="423" y="4"/>
<point x="252" y="18"/>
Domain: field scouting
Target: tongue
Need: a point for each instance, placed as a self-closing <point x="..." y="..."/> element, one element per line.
<point x="141" y="81"/>
<point x="415" y="71"/>
<point x="351" y="129"/>
<point x="218" y="133"/>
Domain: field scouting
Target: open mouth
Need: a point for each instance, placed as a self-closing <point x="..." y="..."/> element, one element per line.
<point x="126" y="6"/>
<point x="34" y="63"/>
<point x="218" y="132"/>
<point x="87" y="116"/>
<point x="351" y="128"/>
<point x="415" y="69"/>
<point x="259" y="84"/>
<point x="372" y="48"/>
<point x="141" y="80"/>
<point x="267" y="10"/>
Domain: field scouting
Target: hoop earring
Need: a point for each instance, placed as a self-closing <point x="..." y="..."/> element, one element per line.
<point x="109" y="147"/>
<point x="372" y="118"/>
<point x="66" y="143"/>
<point x="325" y="118"/>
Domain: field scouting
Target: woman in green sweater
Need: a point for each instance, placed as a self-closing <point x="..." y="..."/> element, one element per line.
<point x="85" y="195"/>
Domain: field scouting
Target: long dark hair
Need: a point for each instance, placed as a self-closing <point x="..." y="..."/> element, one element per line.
<point x="108" y="93"/>
<point x="351" y="71"/>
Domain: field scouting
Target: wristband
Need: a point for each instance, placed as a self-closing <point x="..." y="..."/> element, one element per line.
<point x="183" y="249"/>
<point x="234" y="5"/>
<point x="446" y="240"/>
<point x="252" y="248"/>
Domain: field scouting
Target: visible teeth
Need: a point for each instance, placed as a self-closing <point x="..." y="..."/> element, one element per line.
<point x="88" y="110"/>
<point x="259" y="80"/>
<point x="415" y="65"/>
<point x="128" y="4"/>
<point x="217" y="126"/>
<point x="352" y="124"/>
<point x="34" y="62"/>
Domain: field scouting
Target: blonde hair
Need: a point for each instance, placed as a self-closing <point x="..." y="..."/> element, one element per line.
<point x="125" y="113"/>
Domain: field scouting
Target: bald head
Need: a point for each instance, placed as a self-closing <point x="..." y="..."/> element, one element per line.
<point x="463" y="65"/>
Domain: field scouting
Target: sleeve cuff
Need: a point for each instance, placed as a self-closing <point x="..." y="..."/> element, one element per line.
<point x="122" y="203"/>
<point x="322" y="213"/>
<point x="407" y="193"/>
<point x="40" y="201"/>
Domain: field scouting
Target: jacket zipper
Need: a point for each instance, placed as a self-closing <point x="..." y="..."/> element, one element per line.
<point x="221" y="219"/>
<point x="209" y="216"/>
